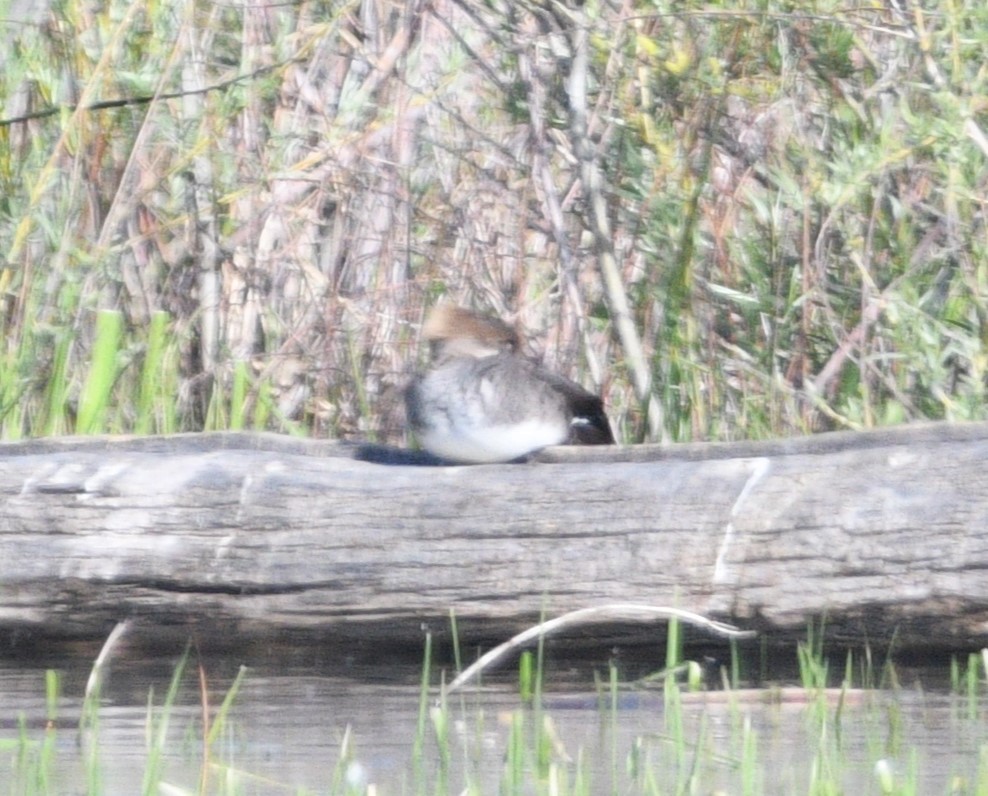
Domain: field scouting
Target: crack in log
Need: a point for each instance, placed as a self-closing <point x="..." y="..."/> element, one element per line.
<point x="253" y="590"/>
<point x="760" y="468"/>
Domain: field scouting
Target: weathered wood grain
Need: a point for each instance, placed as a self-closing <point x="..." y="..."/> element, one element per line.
<point x="241" y="535"/>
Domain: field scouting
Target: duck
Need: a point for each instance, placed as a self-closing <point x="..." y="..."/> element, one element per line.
<point x="481" y="402"/>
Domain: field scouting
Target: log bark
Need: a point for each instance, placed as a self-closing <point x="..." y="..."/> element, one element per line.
<point x="244" y="536"/>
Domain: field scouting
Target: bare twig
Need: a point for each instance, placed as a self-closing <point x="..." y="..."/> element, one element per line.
<point x="146" y="99"/>
<point x="600" y="227"/>
<point x="616" y="612"/>
<point x="96" y="676"/>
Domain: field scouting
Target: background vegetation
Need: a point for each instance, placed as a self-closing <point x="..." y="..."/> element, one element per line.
<point x="742" y="219"/>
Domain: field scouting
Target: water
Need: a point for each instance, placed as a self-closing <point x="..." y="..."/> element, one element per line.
<point x="291" y="722"/>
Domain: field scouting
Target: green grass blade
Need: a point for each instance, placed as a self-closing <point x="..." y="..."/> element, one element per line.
<point x="154" y="401"/>
<point x="55" y="418"/>
<point x="223" y="713"/>
<point x="95" y="398"/>
<point x="158" y="732"/>
<point x="238" y="396"/>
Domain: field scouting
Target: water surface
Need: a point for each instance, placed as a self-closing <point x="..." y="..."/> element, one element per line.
<point x="325" y="727"/>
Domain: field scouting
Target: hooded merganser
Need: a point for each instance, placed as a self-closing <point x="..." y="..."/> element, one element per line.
<point x="481" y="401"/>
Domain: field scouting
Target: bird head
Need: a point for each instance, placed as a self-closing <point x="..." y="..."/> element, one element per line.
<point x="458" y="332"/>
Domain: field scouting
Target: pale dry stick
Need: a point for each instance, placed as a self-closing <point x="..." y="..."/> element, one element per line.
<point x="615" y="612"/>
<point x="554" y="213"/>
<point x="96" y="678"/>
<point x="600" y="227"/>
<point x="97" y="675"/>
<point x="382" y="66"/>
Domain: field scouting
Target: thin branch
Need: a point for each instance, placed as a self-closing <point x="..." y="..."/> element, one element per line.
<point x="95" y="681"/>
<point x="122" y="102"/>
<point x="615" y="612"/>
<point x="600" y="226"/>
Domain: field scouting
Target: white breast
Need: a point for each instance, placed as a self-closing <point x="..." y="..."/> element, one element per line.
<point x="478" y="444"/>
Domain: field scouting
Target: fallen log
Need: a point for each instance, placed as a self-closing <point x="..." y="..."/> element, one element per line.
<point x="241" y="536"/>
